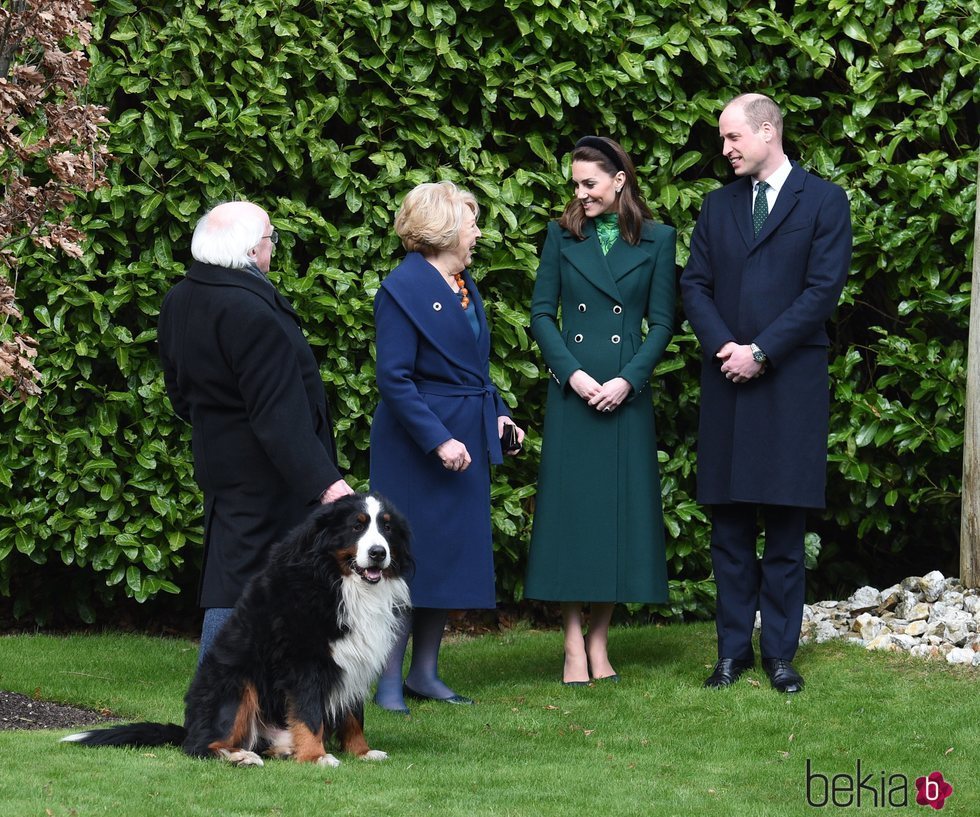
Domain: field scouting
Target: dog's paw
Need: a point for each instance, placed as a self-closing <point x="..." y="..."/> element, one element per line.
<point x="240" y="757"/>
<point x="328" y="760"/>
<point x="374" y="754"/>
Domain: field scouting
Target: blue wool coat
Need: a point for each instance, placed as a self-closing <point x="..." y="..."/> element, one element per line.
<point x="765" y="441"/>
<point x="434" y="380"/>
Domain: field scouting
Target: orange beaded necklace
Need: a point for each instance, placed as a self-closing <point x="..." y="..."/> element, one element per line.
<point x="465" y="302"/>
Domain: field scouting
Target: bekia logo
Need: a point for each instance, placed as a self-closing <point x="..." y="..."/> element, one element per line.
<point x="932" y="790"/>
<point x="871" y="790"/>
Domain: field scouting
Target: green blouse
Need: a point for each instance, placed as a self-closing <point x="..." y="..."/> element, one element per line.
<point x="607" y="228"/>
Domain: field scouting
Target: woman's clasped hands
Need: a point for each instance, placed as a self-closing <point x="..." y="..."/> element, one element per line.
<point x="604" y="397"/>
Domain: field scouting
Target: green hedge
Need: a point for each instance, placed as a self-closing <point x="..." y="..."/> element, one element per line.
<point x="326" y="113"/>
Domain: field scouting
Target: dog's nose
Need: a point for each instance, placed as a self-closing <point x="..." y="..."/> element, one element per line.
<point x="376" y="553"/>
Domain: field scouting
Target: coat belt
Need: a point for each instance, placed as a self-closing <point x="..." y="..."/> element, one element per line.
<point x="486" y="392"/>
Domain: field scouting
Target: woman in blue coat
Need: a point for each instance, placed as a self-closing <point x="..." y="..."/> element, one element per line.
<point x="598" y="538"/>
<point x="437" y="428"/>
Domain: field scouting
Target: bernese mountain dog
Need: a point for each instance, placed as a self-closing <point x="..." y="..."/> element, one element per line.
<point x="291" y="668"/>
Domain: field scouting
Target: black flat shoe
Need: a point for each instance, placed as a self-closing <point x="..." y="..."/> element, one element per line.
<point x="612" y="679"/>
<point x="576" y="683"/>
<point x="453" y="699"/>
<point x="783" y="675"/>
<point x="727" y="671"/>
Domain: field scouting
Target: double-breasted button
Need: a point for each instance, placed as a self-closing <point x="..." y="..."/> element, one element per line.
<point x="437" y="306"/>
<point x="617" y="310"/>
<point x="581" y="307"/>
<point x="615" y="338"/>
<point x="579" y="338"/>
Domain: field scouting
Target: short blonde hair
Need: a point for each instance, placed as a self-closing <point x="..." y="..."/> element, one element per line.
<point x="431" y="216"/>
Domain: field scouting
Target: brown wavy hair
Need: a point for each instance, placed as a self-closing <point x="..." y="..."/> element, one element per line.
<point x="632" y="209"/>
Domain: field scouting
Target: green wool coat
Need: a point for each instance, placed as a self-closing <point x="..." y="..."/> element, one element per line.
<point x="598" y="530"/>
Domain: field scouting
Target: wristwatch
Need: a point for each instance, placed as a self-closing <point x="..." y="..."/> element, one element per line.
<point x="757" y="354"/>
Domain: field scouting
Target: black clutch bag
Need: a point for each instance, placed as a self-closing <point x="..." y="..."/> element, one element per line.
<point x="508" y="439"/>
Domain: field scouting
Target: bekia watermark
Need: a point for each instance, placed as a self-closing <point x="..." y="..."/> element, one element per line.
<point x="872" y="790"/>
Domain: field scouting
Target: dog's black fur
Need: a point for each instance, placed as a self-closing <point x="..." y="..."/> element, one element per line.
<point x="293" y="665"/>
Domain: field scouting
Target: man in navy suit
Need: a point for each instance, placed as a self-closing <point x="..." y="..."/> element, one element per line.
<point x="769" y="257"/>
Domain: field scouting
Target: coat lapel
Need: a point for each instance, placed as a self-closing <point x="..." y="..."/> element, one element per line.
<point x="741" y="203"/>
<point x="623" y="258"/>
<point x="587" y="258"/>
<point x="785" y="202"/>
<point x="434" y="309"/>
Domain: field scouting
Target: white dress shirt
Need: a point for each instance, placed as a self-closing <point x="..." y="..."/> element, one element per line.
<point x="776" y="180"/>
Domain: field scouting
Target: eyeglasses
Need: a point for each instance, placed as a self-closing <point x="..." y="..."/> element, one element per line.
<point x="274" y="237"/>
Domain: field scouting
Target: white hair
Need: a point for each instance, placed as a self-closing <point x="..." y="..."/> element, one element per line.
<point x="224" y="238"/>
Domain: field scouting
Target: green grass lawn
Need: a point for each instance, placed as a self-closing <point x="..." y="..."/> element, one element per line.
<point x="654" y="744"/>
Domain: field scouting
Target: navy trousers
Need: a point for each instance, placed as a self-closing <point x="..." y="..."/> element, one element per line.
<point x="775" y="584"/>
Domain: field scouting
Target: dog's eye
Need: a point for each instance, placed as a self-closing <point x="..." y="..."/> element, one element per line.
<point x="358" y="527"/>
<point x="387" y="527"/>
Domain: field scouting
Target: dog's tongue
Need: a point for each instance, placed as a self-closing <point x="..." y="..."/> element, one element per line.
<point x="372" y="573"/>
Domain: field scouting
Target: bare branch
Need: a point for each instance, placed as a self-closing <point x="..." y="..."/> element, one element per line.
<point x="52" y="149"/>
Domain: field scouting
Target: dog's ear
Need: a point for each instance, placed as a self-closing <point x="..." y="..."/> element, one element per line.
<point x="328" y="521"/>
<point x="308" y="534"/>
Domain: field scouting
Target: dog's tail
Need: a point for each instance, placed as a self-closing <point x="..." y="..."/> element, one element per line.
<point x="131" y="734"/>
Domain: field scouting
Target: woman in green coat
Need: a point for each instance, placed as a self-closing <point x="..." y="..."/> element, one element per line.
<point x="598" y="536"/>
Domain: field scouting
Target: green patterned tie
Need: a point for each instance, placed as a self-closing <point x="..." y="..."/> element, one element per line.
<point x="761" y="209"/>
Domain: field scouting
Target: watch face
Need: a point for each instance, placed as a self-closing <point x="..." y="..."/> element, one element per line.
<point x="759" y="356"/>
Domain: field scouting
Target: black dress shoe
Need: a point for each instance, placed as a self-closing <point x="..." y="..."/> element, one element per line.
<point x="783" y="675"/>
<point x="452" y="699"/>
<point x="727" y="671"/>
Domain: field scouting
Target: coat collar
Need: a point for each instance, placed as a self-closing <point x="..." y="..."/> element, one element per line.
<point x="787" y="199"/>
<point x="605" y="271"/>
<point x="213" y="275"/>
<point x="433" y="308"/>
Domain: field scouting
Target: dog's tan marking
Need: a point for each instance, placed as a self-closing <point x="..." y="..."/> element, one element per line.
<point x="352" y="738"/>
<point x="344" y="558"/>
<point x="307" y="745"/>
<point x="245" y="728"/>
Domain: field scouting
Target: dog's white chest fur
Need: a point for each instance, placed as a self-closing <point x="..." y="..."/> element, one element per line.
<point x="374" y="614"/>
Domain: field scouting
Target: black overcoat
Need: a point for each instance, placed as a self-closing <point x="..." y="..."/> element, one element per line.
<point x="765" y="441"/>
<point x="239" y="369"/>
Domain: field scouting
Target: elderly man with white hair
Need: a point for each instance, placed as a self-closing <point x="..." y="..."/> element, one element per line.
<point x="239" y="369"/>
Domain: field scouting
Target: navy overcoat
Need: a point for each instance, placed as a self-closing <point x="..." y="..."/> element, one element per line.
<point x="434" y="381"/>
<point x="765" y="441"/>
<point x="238" y="368"/>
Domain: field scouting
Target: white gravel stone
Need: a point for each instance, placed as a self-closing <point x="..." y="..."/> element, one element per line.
<point x="960" y="656"/>
<point x="932" y="585"/>
<point x="927" y="616"/>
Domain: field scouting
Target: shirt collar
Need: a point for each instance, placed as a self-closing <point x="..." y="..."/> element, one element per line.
<point x="778" y="177"/>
